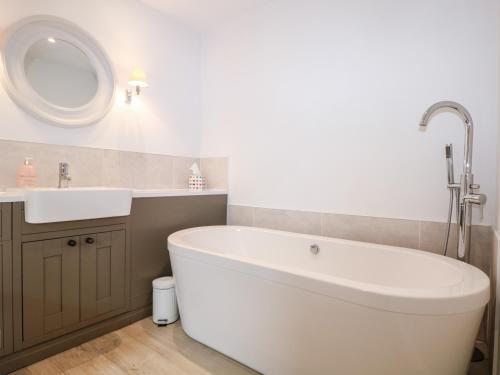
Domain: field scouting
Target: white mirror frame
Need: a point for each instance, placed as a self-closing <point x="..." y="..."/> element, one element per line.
<point x="13" y="47"/>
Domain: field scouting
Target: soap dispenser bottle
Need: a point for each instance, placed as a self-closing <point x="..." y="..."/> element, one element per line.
<point x="26" y="176"/>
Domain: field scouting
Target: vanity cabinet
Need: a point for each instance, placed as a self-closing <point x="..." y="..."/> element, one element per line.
<point x="6" y="338"/>
<point x="70" y="282"/>
<point x="67" y="276"/>
<point x="65" y="283"/>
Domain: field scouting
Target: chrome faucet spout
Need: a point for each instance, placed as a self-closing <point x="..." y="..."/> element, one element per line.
<point x="467" y="120"/>
<point x="446" y="104"/>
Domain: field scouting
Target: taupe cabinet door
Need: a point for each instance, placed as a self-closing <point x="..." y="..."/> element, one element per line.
<point x="103" y="273"/>
<point x="71" y="282"/>
<point x="51" y="293"/>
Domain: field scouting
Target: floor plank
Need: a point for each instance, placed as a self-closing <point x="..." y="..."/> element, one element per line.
<point x="140" y="348"/>
<point x="46" y="367"/>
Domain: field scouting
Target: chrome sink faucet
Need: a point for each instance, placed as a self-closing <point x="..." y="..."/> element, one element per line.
<point x="466" y="189"/>
<point x="64" y="177"/>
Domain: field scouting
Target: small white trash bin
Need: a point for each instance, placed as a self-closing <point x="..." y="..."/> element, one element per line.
<point x="164" y="301"/>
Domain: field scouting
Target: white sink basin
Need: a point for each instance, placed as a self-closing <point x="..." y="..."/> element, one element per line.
<point x="54" y="205"/>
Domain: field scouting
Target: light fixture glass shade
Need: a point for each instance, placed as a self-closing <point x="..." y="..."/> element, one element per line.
<point x="138" y="78"/>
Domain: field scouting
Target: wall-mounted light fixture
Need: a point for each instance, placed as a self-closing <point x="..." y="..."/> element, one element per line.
<point x="138" y="80"/>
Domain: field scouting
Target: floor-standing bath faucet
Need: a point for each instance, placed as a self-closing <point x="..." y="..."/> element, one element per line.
<point x="466" y="196"/>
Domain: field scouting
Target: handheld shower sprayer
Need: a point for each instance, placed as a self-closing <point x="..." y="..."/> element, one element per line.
<point x="449" y="163"/>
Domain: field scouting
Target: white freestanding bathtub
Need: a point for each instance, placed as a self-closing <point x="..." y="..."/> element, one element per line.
<point x="264" y="299"/>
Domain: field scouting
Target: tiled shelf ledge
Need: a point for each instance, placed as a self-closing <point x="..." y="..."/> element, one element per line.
<point x="17" y="195"/>
<point x="150" y="193"/>
<point x="11" y="196"/>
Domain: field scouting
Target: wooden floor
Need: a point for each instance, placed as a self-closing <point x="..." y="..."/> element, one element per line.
<point x="141" y="348"/>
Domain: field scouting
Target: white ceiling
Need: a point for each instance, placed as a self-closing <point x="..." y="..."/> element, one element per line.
<point x="203" y="14"/>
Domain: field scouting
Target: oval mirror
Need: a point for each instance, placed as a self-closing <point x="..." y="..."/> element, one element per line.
<point x="60" y="73"/>
<point x="56" y="71"/>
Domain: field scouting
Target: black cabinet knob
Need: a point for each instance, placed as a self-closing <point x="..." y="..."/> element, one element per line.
<point x="89" y="240"/>
<point x="72" y="243"/>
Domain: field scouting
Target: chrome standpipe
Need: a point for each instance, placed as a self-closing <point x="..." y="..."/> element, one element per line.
<point x="466" y="190"/>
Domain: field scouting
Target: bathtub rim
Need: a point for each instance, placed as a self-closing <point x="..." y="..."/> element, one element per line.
<point x="437" y="301"/>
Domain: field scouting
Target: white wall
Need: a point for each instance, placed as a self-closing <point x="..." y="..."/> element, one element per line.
<point x="317" y="103"/>
<point x="165" y="119"/>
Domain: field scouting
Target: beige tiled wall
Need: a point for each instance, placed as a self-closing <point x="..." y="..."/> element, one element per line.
<point x="99" y="167"/>
<point x="423" y="235"/>
<point x="216" y="172"/>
